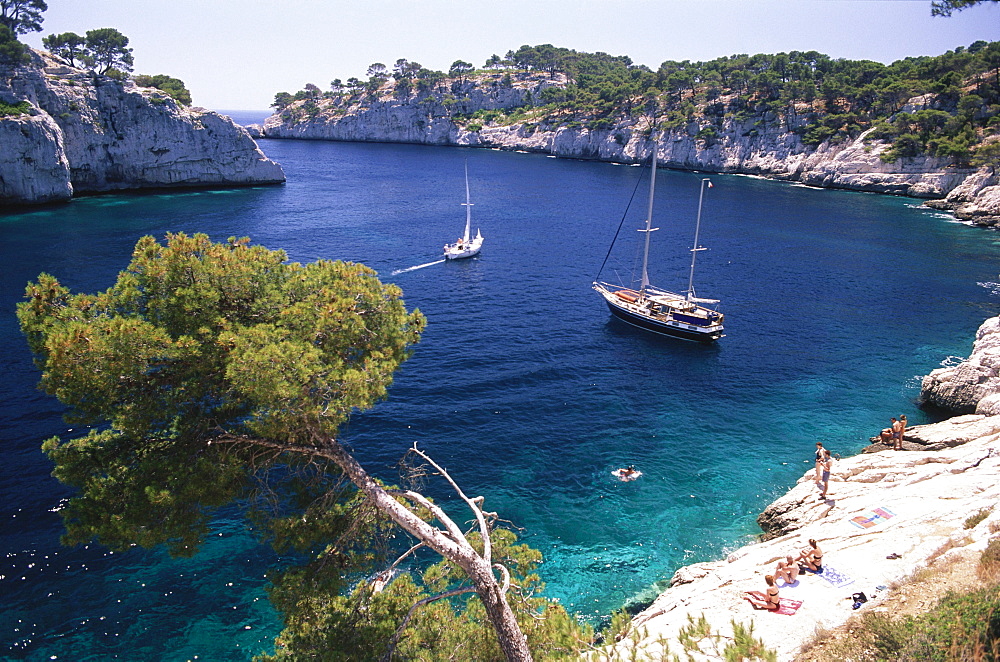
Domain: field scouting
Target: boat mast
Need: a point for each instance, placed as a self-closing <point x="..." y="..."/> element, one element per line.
<point x="468" y="207"/>
<point x="694" y="251"/>
<point x="649" y="218"/>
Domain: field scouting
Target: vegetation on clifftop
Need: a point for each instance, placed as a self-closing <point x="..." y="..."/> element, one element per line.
<point x="106" y="51"/>
<point x="818" y="97"/>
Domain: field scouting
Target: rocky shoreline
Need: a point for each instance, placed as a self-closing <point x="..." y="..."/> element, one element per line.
<point x="767" y="146"/>
<point x="86" y="133"/>
<point x="887" y="515"/>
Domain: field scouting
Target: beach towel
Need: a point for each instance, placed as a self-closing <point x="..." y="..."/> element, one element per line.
<point x="832" y="575"/>
<point x="786" y="606"/>
<point x="871" y="518"/>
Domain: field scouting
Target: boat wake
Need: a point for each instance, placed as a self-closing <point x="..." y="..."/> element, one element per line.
<point x="419" y="266"/>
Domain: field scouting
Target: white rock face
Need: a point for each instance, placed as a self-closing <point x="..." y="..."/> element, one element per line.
<point x="929" y="496"/>
<point x="771" y="149"/>
<point x="33" y="165"/>
<point x="976" y="199"/>
<point x="972" y="386"/>
<point x="103" y="135"/>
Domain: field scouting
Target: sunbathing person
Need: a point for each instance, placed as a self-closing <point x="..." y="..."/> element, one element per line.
<point x="770" y="600"/>
<point x="812" y="557"/>
<point x="787" y="570"/>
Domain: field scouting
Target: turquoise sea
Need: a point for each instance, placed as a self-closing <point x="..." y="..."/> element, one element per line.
<point x="523" y="386"/>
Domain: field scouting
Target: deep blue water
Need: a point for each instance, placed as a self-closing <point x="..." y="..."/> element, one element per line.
<point x="523" y="386"/>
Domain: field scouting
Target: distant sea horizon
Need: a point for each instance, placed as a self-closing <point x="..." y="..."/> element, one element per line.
<point x="247" y="117"/>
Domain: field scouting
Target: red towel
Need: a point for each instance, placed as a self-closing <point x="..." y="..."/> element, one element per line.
<point x="786" y="606"/>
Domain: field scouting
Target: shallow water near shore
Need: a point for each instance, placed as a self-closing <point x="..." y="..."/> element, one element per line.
<point x="523" y="386"/>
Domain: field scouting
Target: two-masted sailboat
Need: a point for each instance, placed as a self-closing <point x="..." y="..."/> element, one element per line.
<point x="466" y="245"/>
<point x="680" y="315"/>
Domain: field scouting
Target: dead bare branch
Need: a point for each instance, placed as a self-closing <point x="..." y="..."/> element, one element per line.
<point x="473" y="504"/>
<point x="454" y="548"/>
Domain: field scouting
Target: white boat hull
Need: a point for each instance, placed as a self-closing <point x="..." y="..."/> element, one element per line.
<point x="664" y="313"/>
<point x="460" y="250"/>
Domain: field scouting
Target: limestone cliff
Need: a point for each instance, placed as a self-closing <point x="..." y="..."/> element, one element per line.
<point x="87" y="133"/>
<point x="766" y="145"/>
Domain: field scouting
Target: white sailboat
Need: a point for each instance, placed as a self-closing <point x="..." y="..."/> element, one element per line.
<point x="660" y="311"/>
<point x="466" y="245"/>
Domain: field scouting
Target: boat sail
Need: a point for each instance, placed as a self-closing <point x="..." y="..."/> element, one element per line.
<point x="466" y="245"/>
<point x="653" y="309"/>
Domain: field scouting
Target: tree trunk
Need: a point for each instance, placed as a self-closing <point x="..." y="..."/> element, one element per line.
<point x="512" y="641"/>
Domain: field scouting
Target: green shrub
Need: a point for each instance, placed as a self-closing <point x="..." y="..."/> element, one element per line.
<point x="745" y="647"/>
<point x="975" y="519"/>
<point x="886" y="635"/>
<point x="698" y="640"/>
<point x="618" y="627"/>
<point x="708" y="134"/>
<point x="178" y="91"/>
<point x="958" y="627"/>
<point x="22" y="108"/>
<point x="473" y="126"/>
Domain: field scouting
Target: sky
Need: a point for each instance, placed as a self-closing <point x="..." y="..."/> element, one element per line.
<point x="237" y="54"/>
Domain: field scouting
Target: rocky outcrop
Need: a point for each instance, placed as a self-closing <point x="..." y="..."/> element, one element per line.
<point x="976" y="199"/>
<point x="766" y="145"/>
<point x="87" y="133"/>
<point x="972" y="386"/>
<point x="429" y="117"/>
<point x="33" y="165"/>
<point x="887" y="516"/>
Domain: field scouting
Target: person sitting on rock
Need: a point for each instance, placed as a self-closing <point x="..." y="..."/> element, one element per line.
<point x="787" y="570"/>
<point x="812" y="557"/>
<point x="769" y="600"/>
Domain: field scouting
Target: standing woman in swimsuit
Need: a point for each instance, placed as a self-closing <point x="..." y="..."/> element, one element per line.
<point x="821" y="453"/>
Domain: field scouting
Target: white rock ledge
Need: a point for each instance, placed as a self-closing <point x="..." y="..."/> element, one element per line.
<point x="930" y="493"/>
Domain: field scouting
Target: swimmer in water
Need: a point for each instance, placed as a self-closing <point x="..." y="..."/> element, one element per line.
<point x="627" y="474"/>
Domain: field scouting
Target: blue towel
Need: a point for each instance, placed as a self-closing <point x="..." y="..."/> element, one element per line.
<point x="833" y="576"/>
